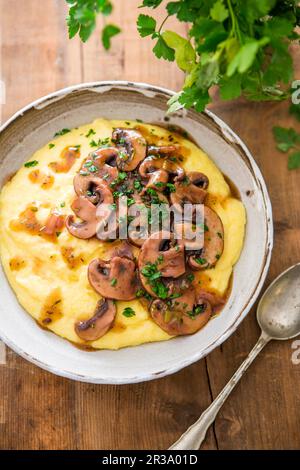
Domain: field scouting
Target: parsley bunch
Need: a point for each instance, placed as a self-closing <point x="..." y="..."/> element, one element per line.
<point x="242" y="46"/>
<point x="239" y="45"/>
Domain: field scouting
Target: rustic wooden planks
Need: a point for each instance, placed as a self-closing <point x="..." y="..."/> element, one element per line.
<point x="41" y="411"/>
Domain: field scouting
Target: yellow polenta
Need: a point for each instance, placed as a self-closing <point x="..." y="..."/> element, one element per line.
<point x="38" y="269"/>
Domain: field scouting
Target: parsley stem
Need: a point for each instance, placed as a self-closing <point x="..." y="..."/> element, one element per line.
<point x="235" y="26"/>
<point x="161" y="26"/>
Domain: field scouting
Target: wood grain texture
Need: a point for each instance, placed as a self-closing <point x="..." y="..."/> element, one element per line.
<point x="41" y="411"/>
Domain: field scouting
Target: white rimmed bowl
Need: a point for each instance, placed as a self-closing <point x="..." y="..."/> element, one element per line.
<point x="32" y="127"/>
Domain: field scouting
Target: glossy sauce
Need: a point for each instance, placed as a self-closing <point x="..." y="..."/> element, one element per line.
<point x="70" y="259"/>
<point x="45" y="181"/>
<point x="69" y="155"/>
<point x="52" y="308"/>
<point x="28" y="222"/>
<point x="17" y="263"/>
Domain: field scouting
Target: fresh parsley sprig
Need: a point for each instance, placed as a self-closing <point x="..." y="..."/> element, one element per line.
<point x="239" y="45"/>
<point x="242" y="46"/>
<point x="82" y="19"/>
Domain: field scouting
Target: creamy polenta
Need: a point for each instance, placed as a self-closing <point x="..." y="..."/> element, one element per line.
<point x="48" y="273"/>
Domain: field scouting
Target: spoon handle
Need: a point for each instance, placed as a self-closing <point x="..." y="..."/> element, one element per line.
<point x="195" y="435"/>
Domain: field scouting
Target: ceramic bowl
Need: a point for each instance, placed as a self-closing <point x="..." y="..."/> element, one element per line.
<point x="32" y="127"/>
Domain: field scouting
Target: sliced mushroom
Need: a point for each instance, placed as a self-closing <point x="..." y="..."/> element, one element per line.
<point x="152" y="170"/>
<point x="99" y="167"/>
<point x="215" y="300"/>
<point x="164" y="150"/>
<point x="114" y="279"/>
<point x="163" y="255"/>
<point x="191" y="190"/>
<point x="190" y="234"/>
<point x="213" y="242"/>
<point x="124" y="250"/>
<point x="132" y="148"/>
<point x="86" y="185"/>
<point x="138" y="226"/>
<point x="89" y="213"/>
<point x="101" y="321"/>
<point x="183" y="316"/>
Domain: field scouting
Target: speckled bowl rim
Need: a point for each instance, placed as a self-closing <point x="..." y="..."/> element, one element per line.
<point x="229" y="135"/>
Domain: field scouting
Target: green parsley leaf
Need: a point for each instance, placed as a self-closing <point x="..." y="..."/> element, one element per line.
<point x="90" y="132"/>
<point x="108" y="32"/>
<point x="31" y="164"/>
<point x="161" y="49"/>
<point x="286" y="138"/>
<point x="219" y="12"/>
<point x="113" y="282"/>
<point x="62" y="132"/>
<point x="146" y="25"/>
<point x="128" y="312"/>
<point x="51" y="146"/>
<point x="294" y="161"/>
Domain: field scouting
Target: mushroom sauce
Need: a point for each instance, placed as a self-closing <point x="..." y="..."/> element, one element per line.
<point x="104" y="293"/>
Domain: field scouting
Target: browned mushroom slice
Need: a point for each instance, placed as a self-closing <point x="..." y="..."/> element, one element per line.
<point x="101" y="321"/>
<point x="169" y="154"/>
<point x="152" y="170"/>
<point x="86" y="185"/>
<point x="164" y="150"/>
<point x="183" y="316"/>
<point x="132" y="148"/>
<point x="213" y="242"/>
<point x="89" y="213"/>
<point x="86" y="211"/>
<point x="99" y="167"/>
<point x="191" y="190"/>
<point x="161" y="256"/>
<point x="124" y="250"/>
<point x="114" y="279"/>
<point x="215" y="300"/>
<point x="191" y="235"/>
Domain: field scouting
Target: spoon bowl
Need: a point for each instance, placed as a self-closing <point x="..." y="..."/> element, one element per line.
<point x="278" y="312"/>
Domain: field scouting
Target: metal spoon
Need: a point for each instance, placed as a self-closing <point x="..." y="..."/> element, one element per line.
<point x="278" y="315"/>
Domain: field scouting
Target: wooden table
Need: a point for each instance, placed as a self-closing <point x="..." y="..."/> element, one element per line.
<point x="41" y="411"/>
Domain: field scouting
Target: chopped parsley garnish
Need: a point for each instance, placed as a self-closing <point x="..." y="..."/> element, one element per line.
<point x="51" y="146"/>
<point x="197" y="310"/>
<point x="138" y="185"/>
<point x="219" y="235"/>
<point x="31" y="164"/>
<point x="90" y="132"/>
<point x="100" y="142"/>
<point x="130" y="201"/>
<point x="62" y="132"/>
<point x="128" y="312"/>
<point x="190" y="277"/>
<point x="139" y="120"/>
<point x="113" y="282"/>
<point x="201" y="261"/>
<point x="62" y="204"/>
<point x="171" y="187"/>
<point x="142" y="293"/>
<point x="153" y="275"/>
<point x="218" y="256"/>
